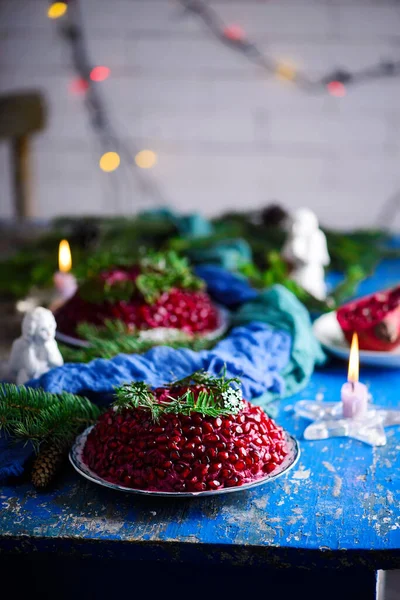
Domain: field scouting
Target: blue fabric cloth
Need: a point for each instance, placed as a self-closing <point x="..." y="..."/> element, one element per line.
<point x="256" y="353"/>
<point x="225" y="287"/>
<point x="272" y="349"/>
<point x="13" y="456"/>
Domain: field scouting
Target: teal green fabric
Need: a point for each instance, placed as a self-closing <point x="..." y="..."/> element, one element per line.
<point x="189" y="226"/>
<point x="229" y="254"/>
<point x="279" y="308"/>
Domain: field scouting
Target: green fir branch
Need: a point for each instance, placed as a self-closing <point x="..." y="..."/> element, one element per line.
<point x="37" y="416"/>
<point x="114" y="338"/>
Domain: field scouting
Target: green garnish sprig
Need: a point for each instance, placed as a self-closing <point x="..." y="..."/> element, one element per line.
<point x="221" y="397"/>
<point x="162" y="271"/>
<point x="159" y="273"/>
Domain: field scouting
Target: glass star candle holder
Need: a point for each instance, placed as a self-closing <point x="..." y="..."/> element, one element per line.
<point x="353" y="416"/>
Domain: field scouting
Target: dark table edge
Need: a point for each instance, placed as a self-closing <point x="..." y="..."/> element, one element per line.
<point x="195" y="552"/>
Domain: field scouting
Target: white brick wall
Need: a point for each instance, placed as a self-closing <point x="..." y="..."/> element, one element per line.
<point x="226" y="135"/>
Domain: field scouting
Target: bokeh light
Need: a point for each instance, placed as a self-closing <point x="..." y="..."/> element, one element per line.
<point x="145" y="159"/>
<point x="109" y="162"/>
<point x="286" y="71"/>
<point x="336" y="88"/>
<point x="99" y="73"/>
<point x="56" y="10"/>
<point x="234" y="33"/>
<point x="78" y="85"/>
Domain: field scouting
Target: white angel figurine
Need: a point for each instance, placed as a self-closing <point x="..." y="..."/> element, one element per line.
<point x="306" y="250"/>
<point x="36" y="351"/>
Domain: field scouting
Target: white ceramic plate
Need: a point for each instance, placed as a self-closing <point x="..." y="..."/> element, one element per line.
<point x="162" y="335"/>
<point x="75" y="456"/>
<point x="327" y="330"/>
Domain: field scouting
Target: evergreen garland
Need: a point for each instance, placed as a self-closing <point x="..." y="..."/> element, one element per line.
<point x="37" y="416"/>
<point x="277" y="272"/>
<point x="100" y="243"/>
<point x="114" y="338"/>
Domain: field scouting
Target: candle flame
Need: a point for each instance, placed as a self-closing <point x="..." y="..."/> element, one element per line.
<point x="354" y="360"/>
<point x="64" y="257"/>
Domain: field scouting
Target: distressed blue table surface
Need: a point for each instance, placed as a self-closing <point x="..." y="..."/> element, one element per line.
<point x="339" y="505"/>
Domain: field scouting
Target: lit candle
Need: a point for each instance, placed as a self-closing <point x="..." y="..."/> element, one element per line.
<point x="64" y="281"/>
<point x="354" y="394"/>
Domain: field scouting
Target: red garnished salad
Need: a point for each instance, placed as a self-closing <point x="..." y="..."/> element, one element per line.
<point x="160" y="291"/>
<point x="194" y="435"/>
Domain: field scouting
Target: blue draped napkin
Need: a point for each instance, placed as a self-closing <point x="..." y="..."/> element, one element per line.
<point x="272" y="349"/>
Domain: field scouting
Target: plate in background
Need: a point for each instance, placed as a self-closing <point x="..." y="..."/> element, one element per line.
<point x="327" y="330"/>
<point x="224" y="317"/>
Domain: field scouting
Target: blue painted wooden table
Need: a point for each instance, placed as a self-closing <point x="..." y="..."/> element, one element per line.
<point x="339" y="507"/>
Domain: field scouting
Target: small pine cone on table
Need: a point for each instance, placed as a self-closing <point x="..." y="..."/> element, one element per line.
<point x="46" y="465"/>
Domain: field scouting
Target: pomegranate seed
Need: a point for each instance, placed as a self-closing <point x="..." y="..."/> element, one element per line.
<point x="207" y="427"/>
<point x="199" y="486"/>
<point x="188" y="456"/>
<point x="211" y="438"/>
<point x="214" y="484"/>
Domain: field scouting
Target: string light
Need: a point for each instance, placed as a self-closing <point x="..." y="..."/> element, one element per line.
<point x="71" y="30"/>
<point x="109" y="162"/>
<point x="334" y="82"/>
<point x="145" y="159"/>
<point x="78" y="86"/>
<point x="57" y="10"/>
<point x="99" y="73"/>
<point x="234" y="33"/>
<point x="285" y="71"/>
<point x="337" y="89"/>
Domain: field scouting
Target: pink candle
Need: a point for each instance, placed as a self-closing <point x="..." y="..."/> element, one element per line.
<point x="354" y="399"/>
<point x="354" y="394"/>
<point x="64" y="281"/>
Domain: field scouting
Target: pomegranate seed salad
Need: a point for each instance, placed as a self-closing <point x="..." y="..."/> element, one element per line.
<point x="192" y="435"/>
<point x="160" y="291"/>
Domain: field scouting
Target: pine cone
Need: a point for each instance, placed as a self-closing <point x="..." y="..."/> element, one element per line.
<point x="46" y="465"/>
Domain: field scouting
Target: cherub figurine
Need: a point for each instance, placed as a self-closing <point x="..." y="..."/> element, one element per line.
<point x="36" y="351"/>
<point x="306" y="251"/>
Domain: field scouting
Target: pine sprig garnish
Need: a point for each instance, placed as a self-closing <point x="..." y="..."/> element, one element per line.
<point x="161" y="271"/>
<point x="137" y="395"/>
<point x="37" y="416"/>
<point x="218" y="397"/>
